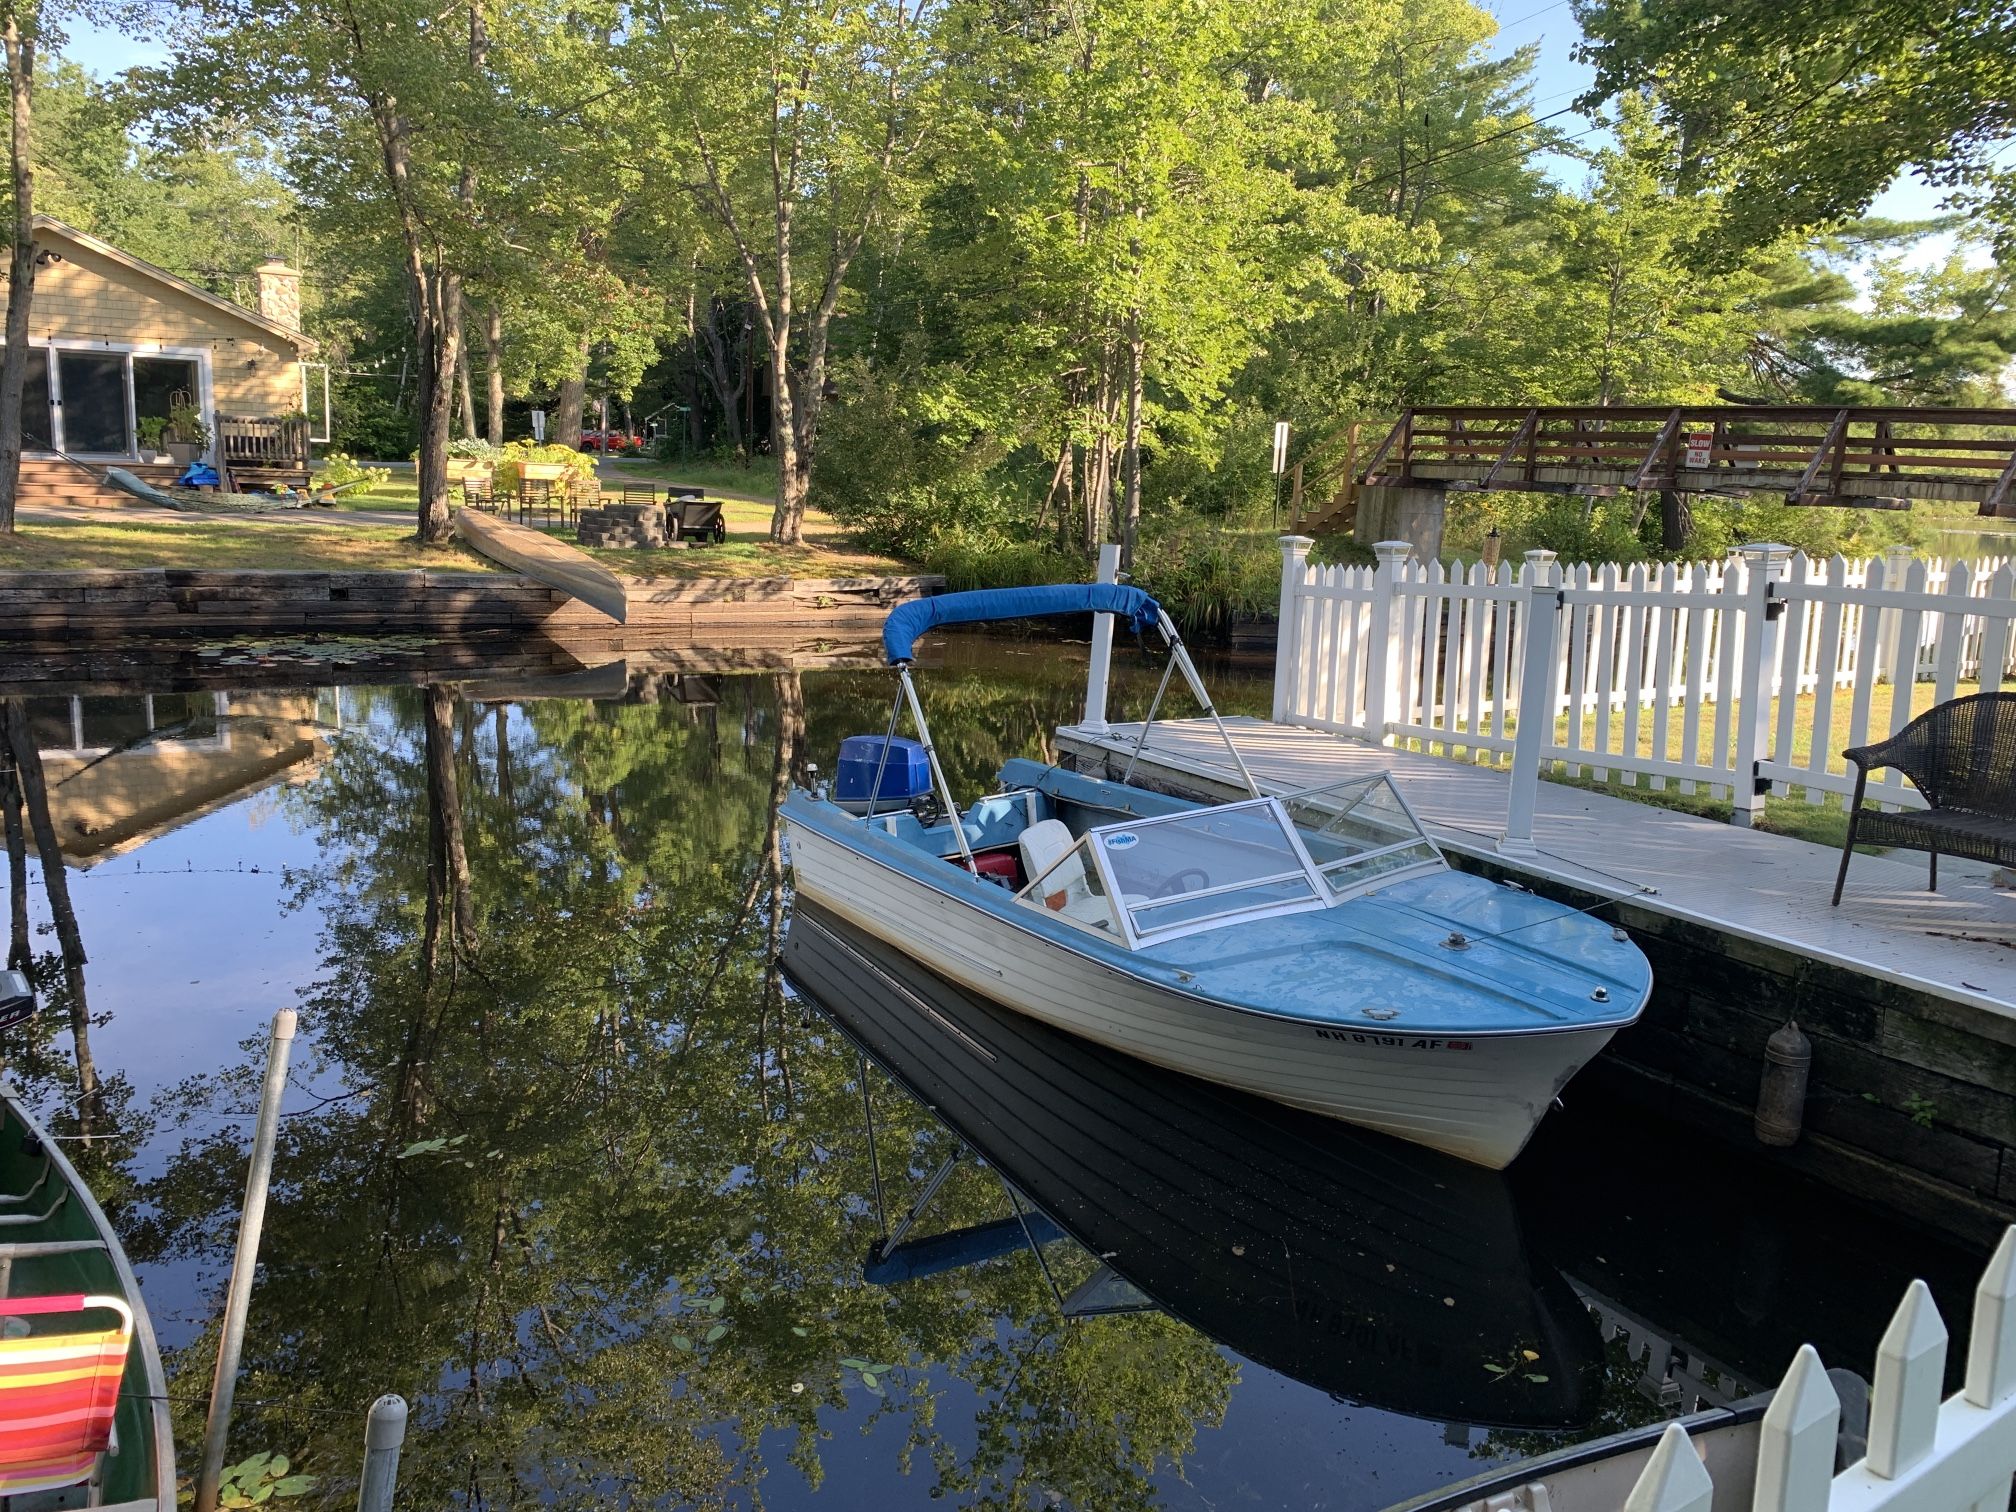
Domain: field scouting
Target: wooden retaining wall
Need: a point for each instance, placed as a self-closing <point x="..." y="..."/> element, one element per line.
<point x="106" y="604"/>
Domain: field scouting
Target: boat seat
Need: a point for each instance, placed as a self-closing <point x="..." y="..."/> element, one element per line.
<point x="1042" y="844"/>
<point x="59" y="1393"/>
<point x="1067" y="890"/>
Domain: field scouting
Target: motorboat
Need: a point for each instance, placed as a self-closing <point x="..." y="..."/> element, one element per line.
<point x="1380" y="1273"/>
<point x="1313" y="947"/>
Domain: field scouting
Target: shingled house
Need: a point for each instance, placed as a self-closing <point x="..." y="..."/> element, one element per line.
<point x="114" y="340"/>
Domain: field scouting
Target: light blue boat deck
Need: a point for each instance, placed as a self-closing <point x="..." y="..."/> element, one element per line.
<point x="1958" y="943"/>
<point x="1520" y="963"/>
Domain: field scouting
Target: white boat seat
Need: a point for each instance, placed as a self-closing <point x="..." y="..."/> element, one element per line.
<point x="1042" y="843"/>
<point x="1066" y="890"/>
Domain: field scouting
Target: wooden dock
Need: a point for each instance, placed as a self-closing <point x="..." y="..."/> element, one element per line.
<point x="1909" y="996"/>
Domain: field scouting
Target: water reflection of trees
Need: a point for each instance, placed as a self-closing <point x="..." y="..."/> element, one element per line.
<point x="586" y="1186"/>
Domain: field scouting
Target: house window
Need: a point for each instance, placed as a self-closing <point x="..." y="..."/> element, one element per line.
<point x="37" y="431"/>
<point x="93" y="386"/>
<point x="148" y="724"/>
<point x="158" y="382"/>
<point x="89" y="401"/>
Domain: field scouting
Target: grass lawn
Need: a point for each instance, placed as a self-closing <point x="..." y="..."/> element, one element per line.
<point x="1824" y="823"/>
<point x="827" y="552"/>
<point x="236" y="541"/>
<point x="759" y="482"/>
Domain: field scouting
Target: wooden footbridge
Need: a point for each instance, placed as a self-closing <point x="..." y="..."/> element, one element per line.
<point x="1854" y="458"/>
<point x="1871" y="458"/>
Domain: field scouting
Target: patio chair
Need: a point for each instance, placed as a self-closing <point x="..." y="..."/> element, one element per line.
<point x="58" y="1394"/>
<point x="1961" y="756"/>
<point x="535" y="495"/>
<point x="640" y="493"/>
<point x="696" y="520"/>
<point x="582" y="493"/>
<point x="476" y="494"/>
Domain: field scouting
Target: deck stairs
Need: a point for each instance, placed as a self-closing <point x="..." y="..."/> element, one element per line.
<point x="1326" y="484"/>
<point x="56" y="480"/>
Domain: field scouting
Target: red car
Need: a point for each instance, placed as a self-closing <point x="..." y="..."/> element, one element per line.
<point x="610" y="441"/>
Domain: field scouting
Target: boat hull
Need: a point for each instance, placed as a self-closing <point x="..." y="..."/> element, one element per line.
<point x="1478" y="1098"/>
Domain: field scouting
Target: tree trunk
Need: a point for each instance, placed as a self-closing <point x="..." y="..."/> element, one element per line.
<point x="724" y="354"/>
<point x="1673" y="518"/>
<point x="449" y="904"/>
<point x="465" y="394"/>
<point x="56" y="884"/>
<point x="21" y="270"/>
<point x="787" y="521"/>
<point x="572" y="400"/>
<point x="1130" y="456"/>
<point x="19" y="951"/>
<point x="441" y="289"/>
<point x="493" y="371"/>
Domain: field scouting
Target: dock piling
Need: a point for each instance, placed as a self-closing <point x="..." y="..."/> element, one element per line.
<point x="384" y="1435"/>
<point x="238" y="1300"/>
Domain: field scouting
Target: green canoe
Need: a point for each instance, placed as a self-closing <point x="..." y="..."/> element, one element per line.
<point x="54" y="1241"/>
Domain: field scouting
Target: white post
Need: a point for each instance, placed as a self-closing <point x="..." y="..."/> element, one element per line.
<point x="1674" y="1479"/>
<point x="238" y="1299"/>
<point x="384" y="1433"/>
<point x="1288" y="640"/>
<point x="1795" y="1446"/>
<point x="1765" y="563"/>
<point x="1102" y="647"/>
<point x="1382" y="644"/>
<point x="1896" y="563"/>
<point x="1535" y="730"/>
<point x="1904" y="1397"/>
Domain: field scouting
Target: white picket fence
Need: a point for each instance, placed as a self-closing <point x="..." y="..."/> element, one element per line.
<point x="1924" y="1455"/>
<point x="1651" y="674"/>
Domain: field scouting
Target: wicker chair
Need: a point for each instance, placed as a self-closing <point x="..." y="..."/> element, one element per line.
<point x="1961" y="756"/>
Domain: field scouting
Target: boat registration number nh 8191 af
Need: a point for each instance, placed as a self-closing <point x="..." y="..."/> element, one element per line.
<point x="1391" y="1041"/>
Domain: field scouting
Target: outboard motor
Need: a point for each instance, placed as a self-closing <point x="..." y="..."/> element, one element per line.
<point x="906" y="777"/>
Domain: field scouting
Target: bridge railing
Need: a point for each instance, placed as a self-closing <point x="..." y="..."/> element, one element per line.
<point x="1866" y="457"/>
<point x="1734" y="678"/>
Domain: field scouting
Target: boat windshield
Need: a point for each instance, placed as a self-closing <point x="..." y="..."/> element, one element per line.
<point x="1180" y="870"/>
<point x="1358" y="832"/>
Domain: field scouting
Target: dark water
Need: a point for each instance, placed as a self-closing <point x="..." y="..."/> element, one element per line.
<point x="572" y="1166"/>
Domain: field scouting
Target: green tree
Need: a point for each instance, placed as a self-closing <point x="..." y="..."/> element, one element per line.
<point x="797" y="126"/>
<point x="1803" y="114"/>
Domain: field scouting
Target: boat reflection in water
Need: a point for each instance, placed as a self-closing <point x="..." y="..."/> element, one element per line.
<point x="1374" y="1270"/>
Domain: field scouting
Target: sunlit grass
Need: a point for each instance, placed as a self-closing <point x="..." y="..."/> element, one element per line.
<point x="273" y="542"/>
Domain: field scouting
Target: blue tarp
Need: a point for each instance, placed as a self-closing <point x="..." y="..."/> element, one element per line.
<point x="199" y="475"/>
<point x="905" y="624"/>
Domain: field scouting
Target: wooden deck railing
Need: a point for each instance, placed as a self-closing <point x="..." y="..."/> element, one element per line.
<point x="263" y="440"/>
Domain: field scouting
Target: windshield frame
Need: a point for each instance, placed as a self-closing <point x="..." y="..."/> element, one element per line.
<point x="1421" y="838"/>
<point x="1294" y="851"/>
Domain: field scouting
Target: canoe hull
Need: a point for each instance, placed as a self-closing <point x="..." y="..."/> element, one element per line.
<point x="140" y="1476"/>
<point x="1479" y="1098"/>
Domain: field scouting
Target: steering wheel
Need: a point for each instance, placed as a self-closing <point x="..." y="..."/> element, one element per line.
<point x="1179" y="882"/>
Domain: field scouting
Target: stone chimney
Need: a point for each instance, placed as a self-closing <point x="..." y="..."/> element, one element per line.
<point x="279" y="292"/>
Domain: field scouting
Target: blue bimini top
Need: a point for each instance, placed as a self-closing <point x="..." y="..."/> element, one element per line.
<point x="908" y="621"/>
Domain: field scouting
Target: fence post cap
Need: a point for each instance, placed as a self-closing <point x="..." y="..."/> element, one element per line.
<point x="1767" y="553"/>
<point x="1541" y="555"/>
<point x="1296" y="545"/>
<point x="1393" y="551"/>
<point x="385" y="1426"/>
